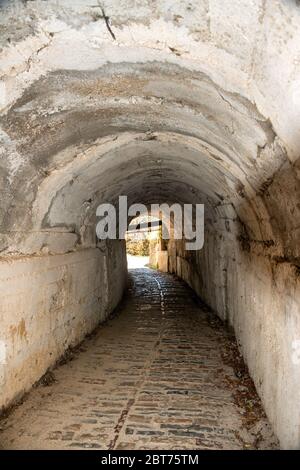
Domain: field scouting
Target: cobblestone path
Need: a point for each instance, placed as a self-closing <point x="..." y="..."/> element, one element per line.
<point x="163" y="373"/>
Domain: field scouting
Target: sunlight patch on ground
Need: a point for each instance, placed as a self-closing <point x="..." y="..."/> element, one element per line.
<point x="137" y="261"/>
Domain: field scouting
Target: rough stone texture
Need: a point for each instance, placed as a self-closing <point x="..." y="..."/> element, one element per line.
<point x="49" y="303"/>
<point x="158" y="258"/>
<point x="156" y="377"/>
<point x="180" y="101"/>
<point x="163" y="261"/>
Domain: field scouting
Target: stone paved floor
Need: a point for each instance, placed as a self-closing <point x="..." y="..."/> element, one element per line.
<point x="162" y="374"/>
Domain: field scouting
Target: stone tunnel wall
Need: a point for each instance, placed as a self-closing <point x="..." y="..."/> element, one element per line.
<point x="189" y="101"/>
<point x="260" y="299"/>
<point x="49" y="303"/>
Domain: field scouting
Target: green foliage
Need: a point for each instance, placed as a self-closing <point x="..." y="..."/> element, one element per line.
<point x="137" y="247"/>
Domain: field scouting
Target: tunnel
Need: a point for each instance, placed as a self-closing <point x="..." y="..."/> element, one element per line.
<point x="183" y="102"/>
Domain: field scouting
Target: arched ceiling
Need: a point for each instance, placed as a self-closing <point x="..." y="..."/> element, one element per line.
<point x="174" y="102"/>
